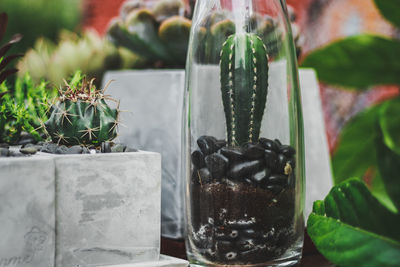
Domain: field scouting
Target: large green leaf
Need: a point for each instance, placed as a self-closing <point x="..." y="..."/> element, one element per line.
<point x="351" y="228"/>
<point x="389" y="121"/>
<point x="356" y="149"/>
<point x="390" y="9"/>
<point x="356" y="153"/>
<point x="389" y="168"/>
<point x="358" y="62"/>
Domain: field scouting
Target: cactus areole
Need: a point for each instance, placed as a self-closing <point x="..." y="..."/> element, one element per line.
<point x="81" y="115"/>
<point x="244" y="86"/>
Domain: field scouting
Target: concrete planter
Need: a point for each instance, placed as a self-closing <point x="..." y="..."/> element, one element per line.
<point x="80" y="210"/>
<point x="154" y="101"/>
<point x="27" y="208"/>
<point x="108" y="208"/>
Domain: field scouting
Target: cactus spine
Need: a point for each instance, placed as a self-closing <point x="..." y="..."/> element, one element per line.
<point x="244" y="86"/>
<point x="81" y="115"/>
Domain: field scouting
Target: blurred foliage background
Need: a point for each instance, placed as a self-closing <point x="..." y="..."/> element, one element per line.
<point x="36" y="18"/>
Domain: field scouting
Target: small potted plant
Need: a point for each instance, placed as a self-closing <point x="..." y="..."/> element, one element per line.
<point x="109" y="190"/>
<point x="68" y="190"/>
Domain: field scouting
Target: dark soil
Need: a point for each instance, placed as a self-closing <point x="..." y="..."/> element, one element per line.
<point x="247" y="216"/>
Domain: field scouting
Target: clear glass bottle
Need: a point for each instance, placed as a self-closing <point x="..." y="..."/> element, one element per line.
<point x="243" y="137"/>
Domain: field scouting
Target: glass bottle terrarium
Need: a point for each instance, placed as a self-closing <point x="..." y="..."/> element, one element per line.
<point x="243" y="136"/>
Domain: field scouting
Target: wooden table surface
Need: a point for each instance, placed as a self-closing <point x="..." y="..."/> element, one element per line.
<point x="311" y="257"/>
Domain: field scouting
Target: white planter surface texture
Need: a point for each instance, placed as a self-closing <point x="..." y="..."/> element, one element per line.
<point x="27" y="220"/>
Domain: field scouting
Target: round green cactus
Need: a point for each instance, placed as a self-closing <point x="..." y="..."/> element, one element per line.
<point x="81" y="115"/>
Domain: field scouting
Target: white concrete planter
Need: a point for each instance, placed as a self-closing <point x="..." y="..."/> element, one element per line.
<point x="27" y="208"/>
<point x="80" y="210"/>
<point x="108" y="208"/>
<point x="154" y="101"/>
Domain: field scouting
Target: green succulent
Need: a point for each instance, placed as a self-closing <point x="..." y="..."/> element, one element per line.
<point x="244" y="86"/>
<point x="218" y="26"/>
<point x="88" y="52"/>
<point x="23" y="109"/>
<point x="81" y="115"/>
<point x="160" y="34"/>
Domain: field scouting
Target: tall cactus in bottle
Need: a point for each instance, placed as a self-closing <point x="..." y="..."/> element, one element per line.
<point x="81" y="115"/>
<point x="244" y="86"/>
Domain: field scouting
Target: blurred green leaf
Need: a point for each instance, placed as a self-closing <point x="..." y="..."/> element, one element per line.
<point x="389" y="168"/>
<point x="351" y="228"/>
<point x="36" y="18"/>
<point x="357" y="62"/>
<point x="389" y="121"/>
<point x="356" y="149"/>
<point x="390" y="10"/>
<point x="356" y="153"/>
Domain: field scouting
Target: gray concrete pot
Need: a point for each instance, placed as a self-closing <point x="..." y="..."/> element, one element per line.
<point x="80" y="210"/>
<point x="153" y="100"/>
<point x="27" y="208"/>
<point x="108" y="208"/>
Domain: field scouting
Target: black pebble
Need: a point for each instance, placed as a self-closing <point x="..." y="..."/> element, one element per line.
<point x="49" y="148"/>
<point x="75" y="150"/>
<point x="281" y="163"/>
<point x="288" y="151"/>
<point x="217" y="165"/>
<point x="269" y="144"/>
<point x="278" y="142"/>
<point x="276" y="189"/>
<point x="207" y="144"/>
<point x="261" y="177"/>
<point x="253" y="151"/>
<point x="271" y="159"/>
<point x="220" y="144"/>
<point x="292" y="162"/>
<point x="205" y="176"/>
<point x="198" y="159"/>
<point x="244" y="169"/>
<point x="106" y="147"/>
<point x="233" y="154"/>
<point x="29" y="150"/>
<point x="278" y="179"/>
<point x="62" y="150"/>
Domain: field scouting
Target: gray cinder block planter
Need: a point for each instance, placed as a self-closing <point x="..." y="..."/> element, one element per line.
<point x="108" y="208"/>
<point x="82" y="210"/>
<point x="27" y="208"/>
<point x="154" y="100"/>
